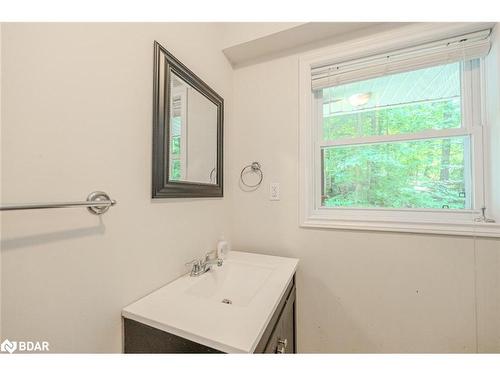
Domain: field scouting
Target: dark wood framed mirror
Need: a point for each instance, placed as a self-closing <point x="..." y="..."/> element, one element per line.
<point x="187" y="132"/>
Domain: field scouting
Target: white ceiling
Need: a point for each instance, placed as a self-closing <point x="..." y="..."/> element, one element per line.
<point x="234" y="33"/>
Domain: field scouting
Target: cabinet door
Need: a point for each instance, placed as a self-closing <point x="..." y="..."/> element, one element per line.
<point x="276" y="336"/>
<point x="288" y="327"/>
<point x="282" y="339"/>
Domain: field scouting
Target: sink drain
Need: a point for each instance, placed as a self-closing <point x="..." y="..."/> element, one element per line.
<point x="227" y="301"/>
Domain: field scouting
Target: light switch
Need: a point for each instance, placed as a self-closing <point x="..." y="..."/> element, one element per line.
<point x="274" y="191"/>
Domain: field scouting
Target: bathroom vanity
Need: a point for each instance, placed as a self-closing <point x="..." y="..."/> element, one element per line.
<point x="245" y="306"/>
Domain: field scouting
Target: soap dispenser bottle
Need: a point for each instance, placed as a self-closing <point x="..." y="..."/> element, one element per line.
<point x="222" y="248"/>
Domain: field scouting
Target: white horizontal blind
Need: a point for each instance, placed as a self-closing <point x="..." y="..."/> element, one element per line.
<point x="460" y="48"/>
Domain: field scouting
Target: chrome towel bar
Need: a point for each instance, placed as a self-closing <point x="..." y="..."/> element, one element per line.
<point x="97" y="203"/>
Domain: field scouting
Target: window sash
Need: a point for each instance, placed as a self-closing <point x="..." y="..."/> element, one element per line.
<point x="470" y="126"/>
<point x="467" y="79"/>
<point x="468" y="188"/>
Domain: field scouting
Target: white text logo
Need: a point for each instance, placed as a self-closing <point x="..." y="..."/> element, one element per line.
<point x="24" y="346"/>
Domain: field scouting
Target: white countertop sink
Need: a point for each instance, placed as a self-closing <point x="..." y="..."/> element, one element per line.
<point x="227" y="308"/>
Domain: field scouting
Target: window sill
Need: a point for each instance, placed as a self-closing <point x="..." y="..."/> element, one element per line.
<point x="430" y="227"/>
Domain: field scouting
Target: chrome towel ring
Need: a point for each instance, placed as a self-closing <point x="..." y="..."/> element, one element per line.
<point x="254" y="168"/>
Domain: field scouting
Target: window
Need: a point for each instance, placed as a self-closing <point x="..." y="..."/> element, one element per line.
<point x="395" y="141"/>
<point x="178" y="118"/>
<point x="175" y="146"/>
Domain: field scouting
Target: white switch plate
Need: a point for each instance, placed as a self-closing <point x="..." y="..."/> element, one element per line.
<point x="274" y="191"/>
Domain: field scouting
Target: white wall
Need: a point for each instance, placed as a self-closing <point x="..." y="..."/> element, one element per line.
<point x="357" y="291"/>
<point x="0" y="176"/>
<point x="489" y="257"/>
<point x="76" y="117"/>
<point x="492" y="71"/>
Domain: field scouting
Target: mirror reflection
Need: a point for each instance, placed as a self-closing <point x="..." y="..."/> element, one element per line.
<point x="192" y="135"/>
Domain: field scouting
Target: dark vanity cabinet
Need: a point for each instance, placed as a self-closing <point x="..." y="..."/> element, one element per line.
<point x="279" y="336"/>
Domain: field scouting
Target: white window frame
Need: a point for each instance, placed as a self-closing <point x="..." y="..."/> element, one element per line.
<point x="443" y="221"/>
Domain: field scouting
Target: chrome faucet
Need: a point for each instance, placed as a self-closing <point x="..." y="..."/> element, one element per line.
<point x="201" y="266"/>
